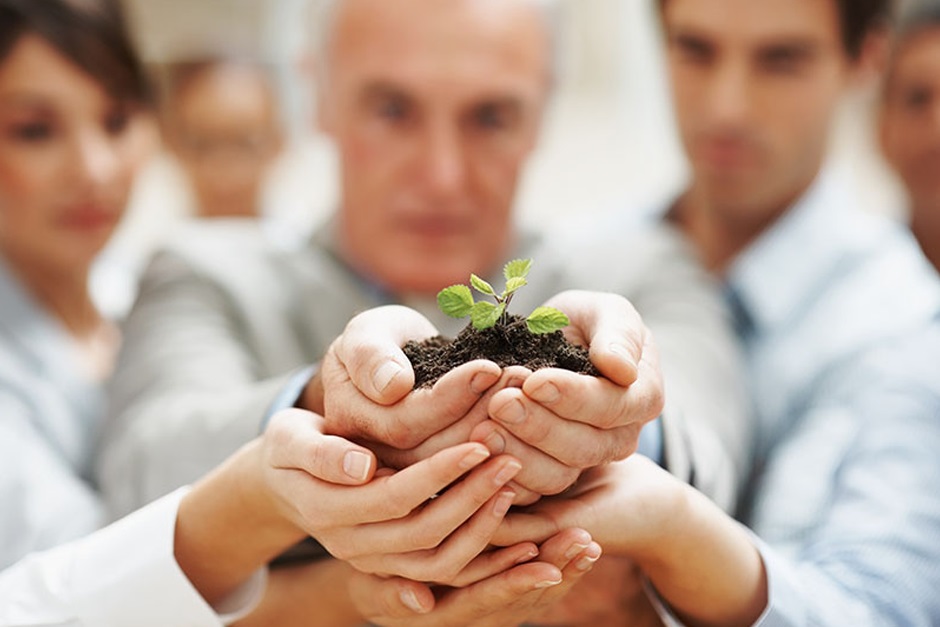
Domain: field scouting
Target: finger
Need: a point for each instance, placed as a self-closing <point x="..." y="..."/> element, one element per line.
<point x="421" y="414"/>
<point x="596" y="401"/>
<point x="612" y="329"/>
<point x="541" y="474"/>
<point x="370" y="349"/>
<point x="493" y="562"/>
<point x="498" y="594"/>
<point x="297" y="441"/>
<point x="458" y="431"/>
<point x="572" y="443"/>
<point x="389" y="597"/>
<point x="568" y="547"/>
<point x="395" y="496"/>
<point x="532" y="525"/>
<point x="437" y="534"/>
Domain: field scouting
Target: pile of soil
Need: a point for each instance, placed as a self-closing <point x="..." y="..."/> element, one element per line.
<point x="508" y="343"/>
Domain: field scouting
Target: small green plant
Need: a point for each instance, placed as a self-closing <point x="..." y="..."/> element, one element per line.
<point x="457" y="302"/>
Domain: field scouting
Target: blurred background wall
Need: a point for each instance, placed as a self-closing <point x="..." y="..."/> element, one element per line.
<point x="609" y="141"/>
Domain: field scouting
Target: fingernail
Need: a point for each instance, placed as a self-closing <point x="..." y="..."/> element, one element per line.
<point x="586" y="563"/>
<point x="482" y="381"/>
<point x="547" y="583"/>
<point x="385" y="374"/>
<point x="515" y="382"/>
<point x="474" y="457"/>
<point x="503" y="503"/>
<point x="528" y="556"/>
<point x="510" y="470"/>
<point x="495" y="443"/>
<point x="357" y="464"/>
<point x="410" y="599"/>
<point x="574" y="550"/>
<point x="512" y="412"/>
<point x="592" y="554"/>
<point x="621" y="351"/>
<point x="546" y="393"/>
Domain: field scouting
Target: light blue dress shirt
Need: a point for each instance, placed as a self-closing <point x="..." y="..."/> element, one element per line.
<point x="49" y="413"/>
<point x="838" y="311"/>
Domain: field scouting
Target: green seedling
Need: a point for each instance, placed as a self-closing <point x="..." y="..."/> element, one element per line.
<point x="457" y="302"/>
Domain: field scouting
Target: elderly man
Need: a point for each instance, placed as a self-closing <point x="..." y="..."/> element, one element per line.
<point x="434" y="108"/>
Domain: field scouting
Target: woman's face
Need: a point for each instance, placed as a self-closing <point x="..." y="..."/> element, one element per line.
<point x="68" y="155"/>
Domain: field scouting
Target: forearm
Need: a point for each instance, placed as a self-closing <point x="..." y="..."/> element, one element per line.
<point x="706" y="568"/>
<point x="312" y="595"/>
<point x="228" y="526"/>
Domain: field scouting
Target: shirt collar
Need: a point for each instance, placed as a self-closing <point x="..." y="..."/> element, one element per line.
<point x="793" y="261"/>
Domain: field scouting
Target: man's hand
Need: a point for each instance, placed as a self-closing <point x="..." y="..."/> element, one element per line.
<point x="367" y="386"/>
<point x="578" y="421"/>
<point x="503" y="600"/>
<point x="420" y="523"/>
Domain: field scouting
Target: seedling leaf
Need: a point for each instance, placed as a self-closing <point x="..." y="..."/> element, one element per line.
<point x="482" y="286"/>
<point x="517" y="269"/>
<point x="514" y="284"/>
<point x="456" y="301"/>
<point x="546" y="320"/>
<point x="485" y="315"/>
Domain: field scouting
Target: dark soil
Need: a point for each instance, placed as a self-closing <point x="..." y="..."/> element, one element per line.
<point x="506" y="344"/>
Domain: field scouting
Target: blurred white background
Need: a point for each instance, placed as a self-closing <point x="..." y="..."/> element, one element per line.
<point x="609" y="141"/>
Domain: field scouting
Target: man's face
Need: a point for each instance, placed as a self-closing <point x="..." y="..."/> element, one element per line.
<point x="910" y="120"/>
<point x="434" y="107"/>
<point x="756" y="86"/>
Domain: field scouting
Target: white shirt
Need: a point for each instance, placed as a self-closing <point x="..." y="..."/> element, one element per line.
<point x="50" y="410"/>
<point x="122" y="575"/>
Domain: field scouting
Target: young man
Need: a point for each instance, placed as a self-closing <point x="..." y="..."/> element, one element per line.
<point x="910" y="120"/>
<point x="838" y="312"/>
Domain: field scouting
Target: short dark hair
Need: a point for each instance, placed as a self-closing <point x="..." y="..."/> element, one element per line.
<point x="921" y="15"/>
<point x="92" y="34"/>
<point x="858" y="19"/>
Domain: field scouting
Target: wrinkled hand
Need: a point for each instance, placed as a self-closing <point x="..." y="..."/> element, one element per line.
<point x="503" y="600"/>
<point x="415" y="523"/>
<point x="577" y="421"/>
<point x="367" y="386"/>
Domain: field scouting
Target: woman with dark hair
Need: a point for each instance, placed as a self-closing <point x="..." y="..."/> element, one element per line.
<point x="910" y="119"/>
<point x="72" y="98"/>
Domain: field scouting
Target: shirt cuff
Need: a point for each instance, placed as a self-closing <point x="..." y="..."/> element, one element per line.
<point x="290" y="394"/>
<point x="126" y="574"/>
<point x="651" y="441"/>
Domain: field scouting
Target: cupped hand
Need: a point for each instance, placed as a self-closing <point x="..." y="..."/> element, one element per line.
<point x="431" y="521"/>
<point x="367" y="385"/>
<point x="579" y="421"/>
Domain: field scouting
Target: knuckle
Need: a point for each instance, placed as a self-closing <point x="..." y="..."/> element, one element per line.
<point x="560" y="481"/>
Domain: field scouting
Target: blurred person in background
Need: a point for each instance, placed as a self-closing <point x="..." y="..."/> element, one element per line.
<point x="435" y="109"/>
<point x="910" y="119"/>
<point x="838" y="311"/>
<point x="221" y="120"/>
<point x="72" y="101"/>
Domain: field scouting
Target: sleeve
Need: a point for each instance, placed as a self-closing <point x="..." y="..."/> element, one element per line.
<point x="44" y="502"/>
<point x="707" y="424"/>
<point x="860" y="543"/>
<point x="847" y="520"/>
<point x="187" y="392"/>
<point x="124" y="574"/>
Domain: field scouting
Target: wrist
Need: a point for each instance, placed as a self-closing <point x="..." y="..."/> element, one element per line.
<point x="312" y="396"/>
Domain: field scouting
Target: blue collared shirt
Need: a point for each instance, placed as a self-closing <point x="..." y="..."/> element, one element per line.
<point x="838" y="312"/>
<point x="49" y="415"/>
